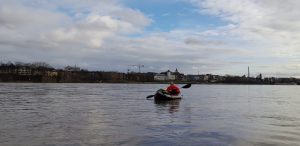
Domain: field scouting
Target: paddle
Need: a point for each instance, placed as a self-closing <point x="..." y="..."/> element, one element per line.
<point x="150" y="96"/>
<point x="187" y="86"/>
<point x="184" y="87"/>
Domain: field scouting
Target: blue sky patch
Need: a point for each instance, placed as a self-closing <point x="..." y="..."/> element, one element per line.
<point x="170" y="15"/>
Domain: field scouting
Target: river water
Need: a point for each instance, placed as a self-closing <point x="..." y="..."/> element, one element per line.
<point x="119" y="114"/>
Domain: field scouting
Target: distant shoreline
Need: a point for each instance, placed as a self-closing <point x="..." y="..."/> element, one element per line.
<point x="148" y="83"/>
<point x="44" y="73"/>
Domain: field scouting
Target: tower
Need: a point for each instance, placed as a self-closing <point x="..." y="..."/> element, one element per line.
<point x="248" y="72"/>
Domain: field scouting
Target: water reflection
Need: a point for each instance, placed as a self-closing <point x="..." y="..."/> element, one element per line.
<point x="172" y="105"/>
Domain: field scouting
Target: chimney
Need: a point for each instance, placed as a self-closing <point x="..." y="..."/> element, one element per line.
<point x="248" y="72"/>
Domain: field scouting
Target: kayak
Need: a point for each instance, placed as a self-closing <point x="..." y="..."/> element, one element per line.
<point x="162" y="95"/>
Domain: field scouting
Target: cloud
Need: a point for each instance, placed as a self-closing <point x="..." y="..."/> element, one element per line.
<point x="170" y="49"/>
<point x="91" y="31"/>
<point x="268" y="29"/>
<point x="53" y="29"/>
<point x="265" y="21"/>
<point x="108" y="35"/>
<point x="96" y="36"/>
<point x="69" y="15"/>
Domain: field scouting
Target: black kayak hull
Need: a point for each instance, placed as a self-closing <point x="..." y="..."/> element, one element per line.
<point x="163" y="96"/>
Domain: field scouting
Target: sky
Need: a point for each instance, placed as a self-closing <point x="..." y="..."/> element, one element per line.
<point x="195" y="36"/>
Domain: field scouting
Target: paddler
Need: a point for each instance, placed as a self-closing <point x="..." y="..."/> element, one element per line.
<point x="173" y="89"/>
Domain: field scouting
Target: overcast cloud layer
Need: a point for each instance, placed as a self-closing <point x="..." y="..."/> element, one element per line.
<point x="108" y="35"/>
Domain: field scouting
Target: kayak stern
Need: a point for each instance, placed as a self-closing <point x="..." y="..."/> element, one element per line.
<point x="162" y="95"/>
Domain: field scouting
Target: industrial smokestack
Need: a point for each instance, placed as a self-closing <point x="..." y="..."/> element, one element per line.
<point x="248" y="72"/>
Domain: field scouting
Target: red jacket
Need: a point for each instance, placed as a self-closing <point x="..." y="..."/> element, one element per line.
<point x="173" y="90"/>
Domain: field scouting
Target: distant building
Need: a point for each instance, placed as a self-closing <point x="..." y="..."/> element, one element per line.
<point x="52" y="73"/>
<point x="72" y="68"/>
<point x="193" y="78"/>
<point x="165" y="76"/>
<point x="112" y="76"/>
<point x="178" y="76"/>
<point x="24" y="70"/>
<point x="8" y="69"/>
<point x="206" y="77"/>
<point x="259" y="77"/>
<point x="160" y="77"/>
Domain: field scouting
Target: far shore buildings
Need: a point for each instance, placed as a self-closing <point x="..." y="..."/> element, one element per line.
<point x="72" y="68"/>
<point x="12" y="69"/>
<point x="43" y="73"/>
<point x="169" y="76"/>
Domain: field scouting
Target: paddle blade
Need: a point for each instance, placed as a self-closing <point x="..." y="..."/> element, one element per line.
<point x="150" y="96"/>
<point x="187" y="86"/>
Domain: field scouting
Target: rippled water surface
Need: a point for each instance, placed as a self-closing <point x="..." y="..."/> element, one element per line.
<point x="119" y="114"/>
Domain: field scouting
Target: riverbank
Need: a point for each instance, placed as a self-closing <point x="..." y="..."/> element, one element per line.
<point x="124" y="82"/>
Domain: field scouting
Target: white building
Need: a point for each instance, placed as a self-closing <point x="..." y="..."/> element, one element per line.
<point x="165" y="76"/>
<point x="160" y="77"/>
